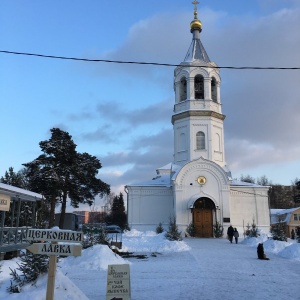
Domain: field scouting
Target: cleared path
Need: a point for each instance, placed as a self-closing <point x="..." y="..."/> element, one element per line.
<point x="213" y="269"/>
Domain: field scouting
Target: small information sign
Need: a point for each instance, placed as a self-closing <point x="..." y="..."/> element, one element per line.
<point x="118" y="282"/>
<point x="4" y="202"/>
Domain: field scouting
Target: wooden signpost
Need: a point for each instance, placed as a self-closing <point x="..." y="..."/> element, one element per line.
<point x="60" y="245"/>
<point x="118" y="282"/>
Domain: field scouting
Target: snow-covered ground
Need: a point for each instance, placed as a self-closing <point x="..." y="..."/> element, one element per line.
<point x="190" y="269"/>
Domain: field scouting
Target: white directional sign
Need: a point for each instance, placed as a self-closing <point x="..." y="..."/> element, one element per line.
<point x="56" y="249"/>
<point x="63" y="242"/>
<point x="54" y="235"/>
<point x="118" y="282"/>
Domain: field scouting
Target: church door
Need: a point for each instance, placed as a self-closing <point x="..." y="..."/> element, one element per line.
<point x="203" y="219"/>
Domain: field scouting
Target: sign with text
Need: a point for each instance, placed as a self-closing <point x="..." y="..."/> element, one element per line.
<point x="4" y="202"/>
<point x="51" y="235"/>
<point x="59" y="245"/>
<point x="56" y="249"/>
<point x="118" y="282"/>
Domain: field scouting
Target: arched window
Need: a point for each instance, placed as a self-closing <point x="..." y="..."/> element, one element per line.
<point x="200" y="140"/>
<point x="214" y="93"/>
<point x="199" y="87"/>
<point x="182" y="89"/>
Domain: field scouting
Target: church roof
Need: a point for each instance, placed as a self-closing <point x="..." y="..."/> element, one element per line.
<point x="235" y="182"/>
<point x="196" y="52"/>
<point x="160" y="180"/>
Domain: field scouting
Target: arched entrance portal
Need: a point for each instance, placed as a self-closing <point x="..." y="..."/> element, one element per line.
<point x="203" y="217"/>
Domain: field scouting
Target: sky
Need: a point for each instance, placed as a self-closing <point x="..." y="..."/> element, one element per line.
<point x="121" y="113"/>
<point x="174" y="270"/>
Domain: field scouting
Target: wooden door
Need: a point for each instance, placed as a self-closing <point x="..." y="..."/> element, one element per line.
<point x="203" y="222"/>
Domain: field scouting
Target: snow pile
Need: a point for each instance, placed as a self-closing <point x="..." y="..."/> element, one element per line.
<point x="94" y="261"/>
<point x="291" y="252"/>
<point x="149" y="241"/>
<point x="289" y="249"/>
<point x="97" y="257"/>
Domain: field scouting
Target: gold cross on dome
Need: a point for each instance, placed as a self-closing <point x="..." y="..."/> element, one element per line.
<point x="195" y="4"/>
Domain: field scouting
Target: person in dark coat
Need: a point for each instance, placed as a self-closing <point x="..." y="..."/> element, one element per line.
<point x="293" y="234"/>
<point x="230" y="233"/>
<point x="236" y="235"/>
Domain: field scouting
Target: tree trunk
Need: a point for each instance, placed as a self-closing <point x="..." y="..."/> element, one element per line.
<point x="63" y="211"/>
<point x="52" y="211"/>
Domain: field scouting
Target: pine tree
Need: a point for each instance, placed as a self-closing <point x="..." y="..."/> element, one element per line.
<point x="191" y="230"/>
<point x="247" y="178"/>
<point x="62" y="173"/>
<point x="29" y="269"/>
<point x="159" y="228"/>
<point x="218" y="230"/>
<point x="173" y="234"/>
<point x="278" y="232"/>
<point x="118" y="215"/>
<point x="252" y="230"/>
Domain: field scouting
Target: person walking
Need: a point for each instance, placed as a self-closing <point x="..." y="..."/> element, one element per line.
<point x="230" y="233"/>
<point x="236" y="235"/>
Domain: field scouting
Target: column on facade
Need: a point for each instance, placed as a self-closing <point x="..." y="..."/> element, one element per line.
<point x="190" y="82"/>
<point x="177" y="91"/>
<point x="218" y="92"/>
<point x="207" y="88"/>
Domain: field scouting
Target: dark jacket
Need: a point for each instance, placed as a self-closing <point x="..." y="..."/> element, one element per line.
<point x="230" y="231"/>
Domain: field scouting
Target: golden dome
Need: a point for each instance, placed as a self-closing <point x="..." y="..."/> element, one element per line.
<point x="196" y="24"/>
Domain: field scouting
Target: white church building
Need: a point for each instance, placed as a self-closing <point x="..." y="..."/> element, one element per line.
<point x="197" y="187"/>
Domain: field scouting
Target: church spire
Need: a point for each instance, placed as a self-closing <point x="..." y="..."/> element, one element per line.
<point x="196" y="50"/>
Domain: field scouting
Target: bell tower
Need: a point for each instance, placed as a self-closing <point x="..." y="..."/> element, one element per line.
<point x="197" y="117"/>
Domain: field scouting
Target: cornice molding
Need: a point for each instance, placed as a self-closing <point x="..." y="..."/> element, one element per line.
<point x="197" y="113"/>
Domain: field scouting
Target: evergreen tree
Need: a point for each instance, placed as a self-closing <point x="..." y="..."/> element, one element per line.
<point x="218" y="230"/>
<point x="31" y="267"/>
<point x="278" y="232"/>
<point x="191" y="230"/>
<point x="118" y="215"/>
<point x="159" y="228"/>
<point x="247" y="178"/>
<point x="252" y="230"/>
<point x="15" y="179"/>
<point x="173" y="234"/>
<point x="62" y="173"/>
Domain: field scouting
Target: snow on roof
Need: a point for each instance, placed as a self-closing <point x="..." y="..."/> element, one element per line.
<point x="282" y="215"/>
<point x="235" y="182"/>
<point x="160" y="180"/>
<point x="163" y="178"/>
<point x="16" y="192"/>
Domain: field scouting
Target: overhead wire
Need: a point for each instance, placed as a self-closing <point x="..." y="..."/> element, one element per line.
<point x="144" y="63"/>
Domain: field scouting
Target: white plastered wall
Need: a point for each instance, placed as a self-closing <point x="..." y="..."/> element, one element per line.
<point x="149" y="206"/>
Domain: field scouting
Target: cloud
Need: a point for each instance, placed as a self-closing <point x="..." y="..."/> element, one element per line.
<point x="146" y="154"/>
<point x="262" y="107"/>
<point x="153" y="113"/>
